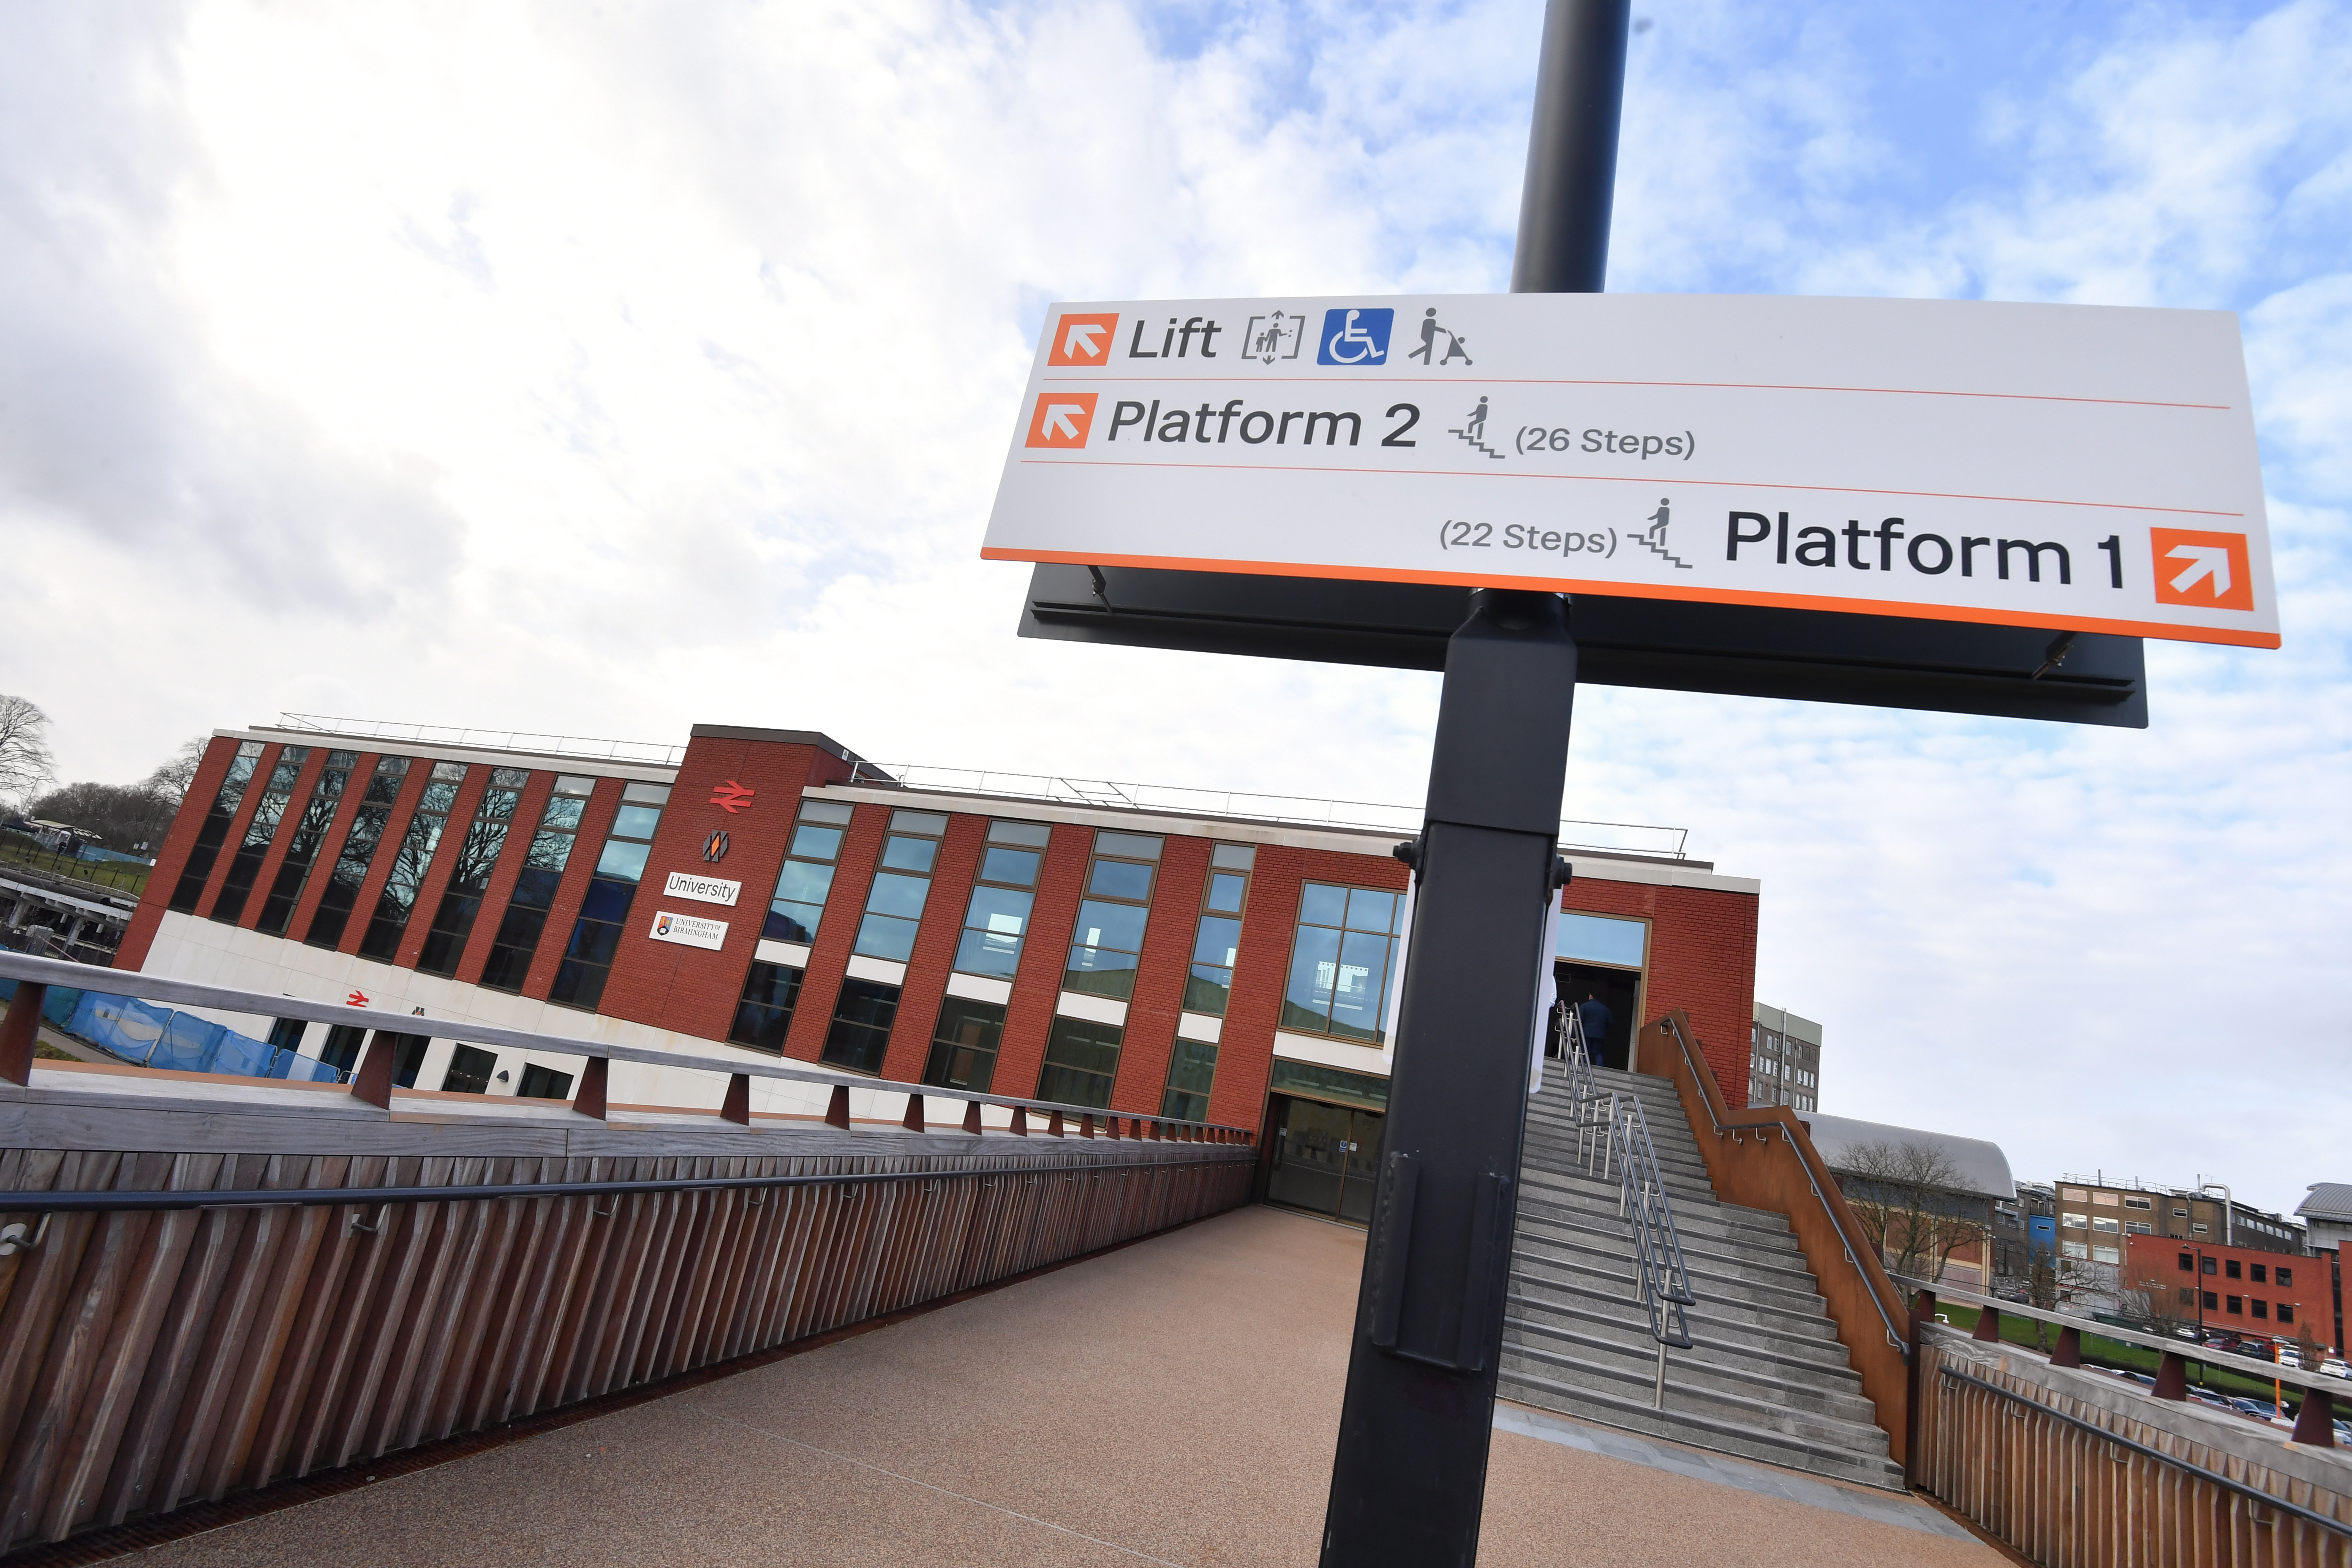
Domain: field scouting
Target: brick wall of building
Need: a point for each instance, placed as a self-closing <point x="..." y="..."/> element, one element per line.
<point x="675" y="986"/>
<point x="172" y="857"/>
<point x="1702" y="960"/>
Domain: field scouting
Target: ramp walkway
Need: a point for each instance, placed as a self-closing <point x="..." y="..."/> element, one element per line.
<point x="1172" y="1402"/>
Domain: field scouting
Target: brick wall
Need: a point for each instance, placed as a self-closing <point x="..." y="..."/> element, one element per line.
<point x="1030" y="1017"/>
<point x="935" y="948"/>
<point x="674" y="986"/>
<point x="172" y="857"/>
<point x="1150" y="1037"/>
<point x="1702" y="960"/>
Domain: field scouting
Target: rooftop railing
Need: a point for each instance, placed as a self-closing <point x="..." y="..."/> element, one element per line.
<point x="1305" y="811"/>
<point x="650" y="752"/>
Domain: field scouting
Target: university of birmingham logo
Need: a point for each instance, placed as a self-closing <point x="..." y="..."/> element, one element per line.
<point x="714" y="848"/>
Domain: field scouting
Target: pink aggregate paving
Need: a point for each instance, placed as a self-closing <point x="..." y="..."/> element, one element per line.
<point x="1174" y="1401"/>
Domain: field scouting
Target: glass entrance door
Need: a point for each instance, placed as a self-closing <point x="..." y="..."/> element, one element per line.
<point x="1325" y="1158"/>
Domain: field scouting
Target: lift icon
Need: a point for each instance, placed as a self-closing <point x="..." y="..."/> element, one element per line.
<point x="2204" y="570"/>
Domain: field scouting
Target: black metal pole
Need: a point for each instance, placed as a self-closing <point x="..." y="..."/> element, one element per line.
<point x="1408" y="1483"/>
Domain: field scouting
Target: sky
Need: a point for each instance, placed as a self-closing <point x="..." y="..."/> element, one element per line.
<point x="604" y="369"/>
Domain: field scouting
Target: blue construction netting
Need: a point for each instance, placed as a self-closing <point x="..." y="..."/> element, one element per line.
<point x="156" y="1037"/>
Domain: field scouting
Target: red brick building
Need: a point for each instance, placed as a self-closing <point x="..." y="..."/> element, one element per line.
<point x="767" y="891"/>
<point x="2252" y="1291"/>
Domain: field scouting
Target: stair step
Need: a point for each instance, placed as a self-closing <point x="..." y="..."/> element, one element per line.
<point x="1765" y="1376"/>
<point x="1860" y="1463"/>
<point x="1746" y="1344"/>
<point x="1799" y="1391"/>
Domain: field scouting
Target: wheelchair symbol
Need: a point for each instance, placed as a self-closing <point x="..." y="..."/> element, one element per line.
<point x="1353" y="336"/>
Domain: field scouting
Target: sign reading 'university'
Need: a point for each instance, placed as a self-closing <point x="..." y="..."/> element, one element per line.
<point x="2051" y="466"/>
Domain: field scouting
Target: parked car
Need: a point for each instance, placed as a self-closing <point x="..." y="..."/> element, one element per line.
<point x="2259" y="1409"/>
<point x="2332" y="1367"/>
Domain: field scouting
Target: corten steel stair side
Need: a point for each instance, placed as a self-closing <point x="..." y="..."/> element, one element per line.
<point x="1769" y="1374"/>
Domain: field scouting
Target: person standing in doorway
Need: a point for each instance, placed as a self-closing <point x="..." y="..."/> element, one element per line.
<point x="1594" y="1015"/>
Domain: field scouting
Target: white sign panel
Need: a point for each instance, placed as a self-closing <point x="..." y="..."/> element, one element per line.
<point x="708" y="889"/>
<point x="2071" y="467"/>
<point x="693" y="930"/>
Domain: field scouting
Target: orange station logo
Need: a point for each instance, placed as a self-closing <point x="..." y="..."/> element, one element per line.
<point x="1061" y="419"/>
<point x="1082" y="339"/>
<point x="2202" y="570"/>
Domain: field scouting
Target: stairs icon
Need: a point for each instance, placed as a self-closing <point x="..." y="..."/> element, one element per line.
<point x="1653" y="538"/>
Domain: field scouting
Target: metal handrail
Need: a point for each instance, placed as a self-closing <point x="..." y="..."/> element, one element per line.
<point x="133" y="984"/>
<point x="1612" y="1128"/>
<point x="1766" y="1124"/>
<point x="2227" y="1483"/>
<point x="2309" y="1379"/>
<point x="652" y="754"/>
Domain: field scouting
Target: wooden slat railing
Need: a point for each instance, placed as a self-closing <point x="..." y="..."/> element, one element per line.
<point x="2077" y="1469"/>
<point x="209" y="1283"/>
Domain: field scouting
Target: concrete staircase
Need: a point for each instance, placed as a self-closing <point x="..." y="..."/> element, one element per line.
<point x="1766" y="1377"/>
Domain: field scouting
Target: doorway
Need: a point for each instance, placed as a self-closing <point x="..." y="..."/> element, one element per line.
<point x="1325" y="1158"/>
<point x="1620" y="989"/>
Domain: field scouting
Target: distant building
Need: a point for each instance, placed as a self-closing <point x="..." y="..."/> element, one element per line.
<point x="2024" y="1232"/>
<point x="2246" y="1291"/>
<point x="2326" y="1215"/>
<point x="1868" y="1159"/>
<point x="1785" y="1064"/>
<point x="2095" y="1217"/>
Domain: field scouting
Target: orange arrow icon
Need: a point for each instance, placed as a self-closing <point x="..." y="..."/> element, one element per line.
<point x="1061" y="419"/>
<point x="2202" y="569"/>
<point x="1082" y="339"/>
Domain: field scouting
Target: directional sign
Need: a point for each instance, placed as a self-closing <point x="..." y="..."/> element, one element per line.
<point x="2056" y="467"/>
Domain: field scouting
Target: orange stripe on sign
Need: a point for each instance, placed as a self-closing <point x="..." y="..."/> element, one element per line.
<point x="2157" y="630"/>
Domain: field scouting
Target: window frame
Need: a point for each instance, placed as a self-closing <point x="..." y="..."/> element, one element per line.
<point x="1013" y="832"/>
<point x="1379" y="988"/>
<point x="523" y="923"/>
<point x="1112" y="982"/>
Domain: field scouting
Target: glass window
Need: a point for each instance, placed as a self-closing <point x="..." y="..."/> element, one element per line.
<point x="411" y="862"/>
<point x="1108" y="943"/>
<point x="2285" y="1277"/>
<point x="267" y="812"/>
<point x="342" y="1051"/>
<point x="520" y="929"/>
<point x="213" y="832"/>
<point x="2106" y="1255"/>
<point x="806" y="880"/>
<point x="1339" y="962"/>
<point x="2235" y="1305"/>
<point x="2075" y="1249"/>
<point x="964" y="1045"/>
<point x="542" y="1083"/>
<point x="763" y="1015"/>
<point x="997" y="917"/>
<point x="1081" y="1061"/>
<point x="302" y="847"/>
<point x="470" y="878"/>
<point x="2138" y="1204"/>
<point x="2102" y="1223"/>
<point x="1598" y="938"/>
<point x="859" y="1036"/>
<point x="902" y="883"/>
<point x="596" y="934"/>
<point x="2256" y="1272"/>
<point x="470" y="1067"/>
<point x="2075" y="1221"/>
<point x="1191" y="1072"/>
<point x="1217" y="940"/>
<point x="2262" y="1308"/>
<point x="2286" y="1314"/>
<point x="351" y="868"/>
<point x="2231" y="1269"/>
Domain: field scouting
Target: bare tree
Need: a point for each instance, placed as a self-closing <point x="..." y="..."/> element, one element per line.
<point x="127" y="817"/>
<point x="1910" y="1199"/>
<point x="26" y="763"/>
<point x="2150" y="1296"/>
<point x="171" y="779"/>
